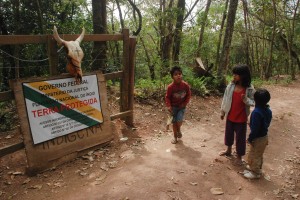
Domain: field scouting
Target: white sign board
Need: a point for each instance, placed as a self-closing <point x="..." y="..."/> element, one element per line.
<point x="59" y="107"/>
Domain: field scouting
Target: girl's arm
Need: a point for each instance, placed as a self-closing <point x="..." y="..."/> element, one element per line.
<point x="223" y="101"/>
<point x="249" y="97"/>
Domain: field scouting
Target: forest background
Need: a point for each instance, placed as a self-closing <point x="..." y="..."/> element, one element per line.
<point x="265" y="35"/>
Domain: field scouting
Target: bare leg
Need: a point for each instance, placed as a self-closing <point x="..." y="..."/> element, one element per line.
<point x="179" y="124"/>
<point x="239" y="160"/>
<point x="175" y="130"/>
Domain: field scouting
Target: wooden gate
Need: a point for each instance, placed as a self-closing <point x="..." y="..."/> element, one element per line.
<point x="59" y="154"/>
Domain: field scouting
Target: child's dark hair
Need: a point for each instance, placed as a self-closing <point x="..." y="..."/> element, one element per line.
<point x="244" y="72"/>
<point x="175" y="68"/>
<point x="261" y="97"/>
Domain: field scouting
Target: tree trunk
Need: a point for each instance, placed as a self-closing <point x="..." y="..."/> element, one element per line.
<point x="286" y="45"/>
<point x="16" y="69"/>
<point x="100" y="27"/>
<point x="268" y="71"/>
<point x="291" y="42"/>
<point x="252" y="50"/>
<point x="136" y="10"/>
<point x="120" y="14"/>
<point x="148" y="60"/>
<point x="222" y="71"/>
<point x="247" y="49"/>
<point x="257" y="54"/>
<point x="190" y="11"/>
<point x="166" y="30"/>
<point x="116" y="46"/>
<point x="7" y="62"/>
<point x="221" y="34"/>
<point x="262" y="54"/>
<point x="203" y="23"/>
<point x="178" y="30"/>
<point x="40" y="16"/>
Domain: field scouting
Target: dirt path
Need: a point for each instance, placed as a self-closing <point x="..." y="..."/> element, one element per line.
<point x="148" y="166"/>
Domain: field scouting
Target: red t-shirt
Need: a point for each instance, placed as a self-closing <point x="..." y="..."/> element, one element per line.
<point x="237" y="112"/>
<point x="178" y="95"/>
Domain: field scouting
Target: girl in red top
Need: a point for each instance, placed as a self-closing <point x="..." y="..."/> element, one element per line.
<point x="177" y="97"/>
<point x="237" y="99"/>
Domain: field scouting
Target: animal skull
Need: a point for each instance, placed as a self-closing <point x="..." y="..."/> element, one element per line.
<point x="75" y="54"/>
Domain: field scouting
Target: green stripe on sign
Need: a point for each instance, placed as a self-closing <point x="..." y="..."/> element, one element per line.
<point x="50" y="103"/>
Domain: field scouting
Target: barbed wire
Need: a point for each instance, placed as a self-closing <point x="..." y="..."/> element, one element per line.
<point x="90" y="62"/>
<point x="20" y="59"/>
<point x="24" y="60"/>
<point x="41" y="60"/>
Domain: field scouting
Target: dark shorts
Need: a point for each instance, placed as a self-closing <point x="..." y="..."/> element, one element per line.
<point x="178" y="114"/>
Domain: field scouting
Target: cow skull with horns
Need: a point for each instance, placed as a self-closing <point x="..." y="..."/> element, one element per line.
<point x="75" y="54"/>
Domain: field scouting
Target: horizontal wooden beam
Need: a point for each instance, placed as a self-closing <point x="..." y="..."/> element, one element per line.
<point x="34" y="39"/>
<point x="22" y="39"/>
<point x="102" y="37"/>
<point x="93" y="37"/>
<point x="121" y="114"/>
<point x="113" y="75"/>
<point x="6" y="96"/>
<point x="10" y="149"/>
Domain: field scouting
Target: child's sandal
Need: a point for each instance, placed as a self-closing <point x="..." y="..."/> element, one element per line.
<point x="179" y="135"/>
<point x="173" y="141"/>
<point x="225" y="153"/>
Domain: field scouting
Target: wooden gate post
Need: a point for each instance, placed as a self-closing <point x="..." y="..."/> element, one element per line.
<point x="53" y="55"/>
<point x="125" y="79"/>
<point x="132" y="46"/>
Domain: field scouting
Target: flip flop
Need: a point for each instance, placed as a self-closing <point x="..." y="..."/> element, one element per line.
<point x="174" y="141"/>
<point x="225" y="153"/>
<point x="240" y="162"/>
<point x="244" y="172"/>
<point x="179" y="135"/>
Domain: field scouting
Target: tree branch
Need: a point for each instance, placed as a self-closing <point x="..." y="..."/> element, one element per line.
<point x="190" y="11"/>
<point x="135" y="33"/>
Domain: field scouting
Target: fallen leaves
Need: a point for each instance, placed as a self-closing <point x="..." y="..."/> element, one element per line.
<point x="26" y="181"/>
<point x="35" y="187"/>
<point x="193" y="183"/>
<point x="216" y="191"/>
<point x="100" y="179"/>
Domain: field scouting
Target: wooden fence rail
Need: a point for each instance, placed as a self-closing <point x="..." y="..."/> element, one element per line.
<point x="126" y="74"/>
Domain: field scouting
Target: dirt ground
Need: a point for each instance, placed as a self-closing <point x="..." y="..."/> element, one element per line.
<point x="141" y="163"/>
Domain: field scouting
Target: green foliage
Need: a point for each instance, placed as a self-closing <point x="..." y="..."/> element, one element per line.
<point x="257" y="82"/>
<point x="198" y="85"/>
<point x="282" y="80"/>
<point x="8" y="116"/>
<point x="146" y="88"/>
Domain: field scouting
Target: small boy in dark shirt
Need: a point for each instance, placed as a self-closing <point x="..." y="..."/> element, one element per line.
<point x="260" y="121"/>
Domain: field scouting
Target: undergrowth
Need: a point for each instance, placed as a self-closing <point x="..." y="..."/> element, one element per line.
<point x="200" y="86"/>
<point x="148" y="89"/>
<point x="8" y="116"/>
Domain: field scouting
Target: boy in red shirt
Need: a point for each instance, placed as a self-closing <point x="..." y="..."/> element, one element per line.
<point x="177" y="97"/>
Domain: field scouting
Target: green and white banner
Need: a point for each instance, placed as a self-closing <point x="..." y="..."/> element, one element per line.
<point x="59" y="107"/>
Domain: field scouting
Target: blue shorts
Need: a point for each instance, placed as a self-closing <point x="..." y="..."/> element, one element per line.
<point x="178" y="114"/>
